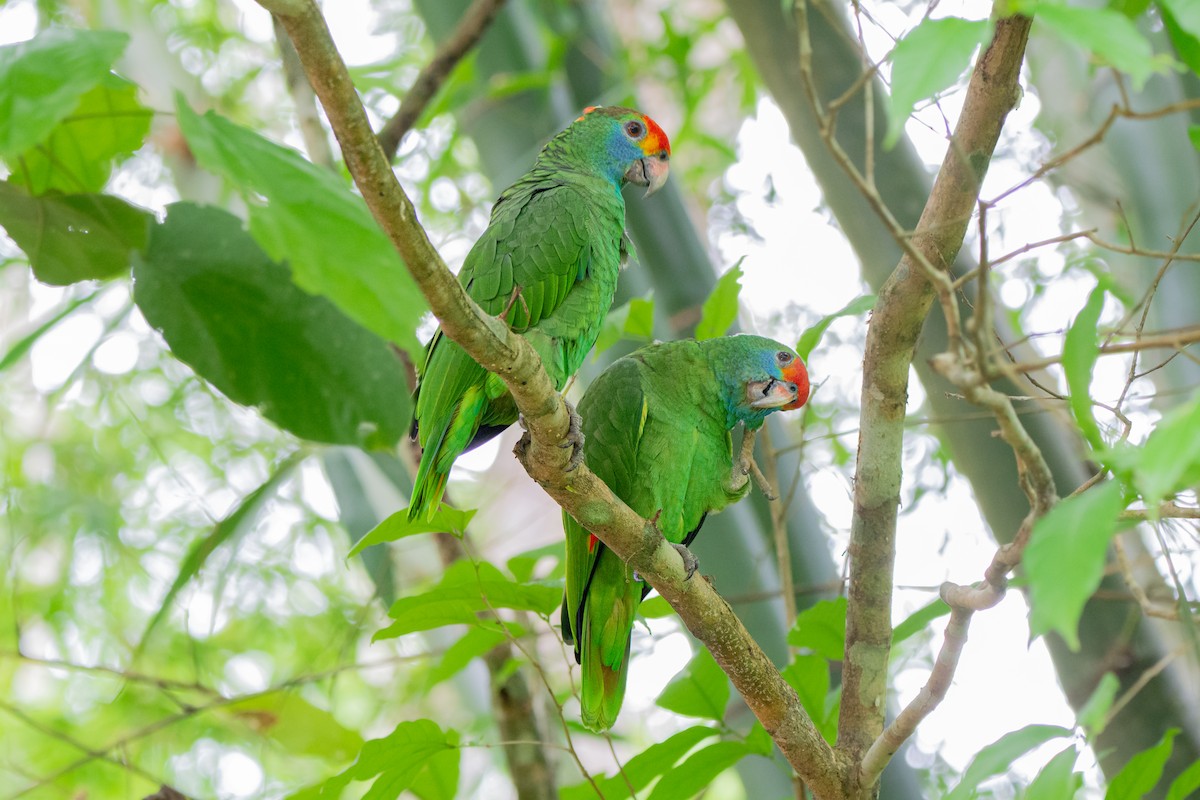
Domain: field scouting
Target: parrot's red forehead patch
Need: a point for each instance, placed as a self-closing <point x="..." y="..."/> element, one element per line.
<point x="586" y="111"/>
<point x="656" y="139"/>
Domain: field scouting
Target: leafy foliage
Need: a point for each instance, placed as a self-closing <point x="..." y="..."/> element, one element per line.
<point x="721" y="308"/>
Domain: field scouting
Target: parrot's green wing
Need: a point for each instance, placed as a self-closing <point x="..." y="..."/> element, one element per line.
<point x="555" y="237"/>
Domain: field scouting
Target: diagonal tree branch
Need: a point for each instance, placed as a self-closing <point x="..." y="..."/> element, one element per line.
<point x="510" y="357"/>
<point x="434" y="74"/>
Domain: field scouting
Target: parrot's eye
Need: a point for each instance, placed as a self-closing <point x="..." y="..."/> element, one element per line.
<point x="635" y="129"/>
<point x="783" y="357"/>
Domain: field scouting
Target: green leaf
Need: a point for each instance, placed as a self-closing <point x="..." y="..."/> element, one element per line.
<point x="1170" y="458"/>
<point x="698" y="771"/>
<point x="919" y="620"/>
<point x="1194" y="135"/>
<point x="1187" y="45"/>
<point x="1092" y="717"/>
<point x="1185" y="783"/>
<point x="465" y="590"/>
<point x="107" y="126"/>
<point x="473" y="644"/>
<point x="235" y="524"/>
<point x="656" y="607"/>
<point x="1142" y="772"/>
<point x="1078" y="358"/>
<point x="398" y="526"/>
<point x="396" y="761"/>
<point x="700" y="690"/>
<point x="438" y="780"/>
<point x="633" y="319"/>
<point x="721" y="308"/>
<point x="73" y="237"/>
<point x="996" y="758"/>
<point x="812" y="336"/>
<point x="41" y="81"/>
<point x="644" y="767"/>
<point x="1065" y="559"/>
<point x="758" y="741"/>
<point x="809" y="676"/>
<point x="1058" y="780"/>
<point x="307" y="216"/>
<point x="822" y="629"/>
<point x="1186" y="14"/>
<point x="928" y="60"/>
<point x="1108" y="35"/>
<point x="235" y="316"/>
<point x="297" y="725"/>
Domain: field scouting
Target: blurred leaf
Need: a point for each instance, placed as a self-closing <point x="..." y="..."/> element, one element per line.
<point x="1058" y="780"/>
<point x="1194" y="135"/>
<point x="655" y="607"/>
<point x="809" y="676"/>
<point x="1186" y="14"/>
<point x="1078" y="358"/>
<point x="73" y="237"/>
<point x="822" y="629"/>
<point x="633" y="319"/>
<point x="721" y="308"/>
<point x="236" y="318"/>
<point x="1170" y="458"/>
<point x="439" y="779"/>
<point x="919" y="620"/>
<point x="1187" y="45"/>
<point x="644" y="767"/>
<point x="758" y="741"/>
<point x="297" y="725"/>
<point x="307" y="216"/>
<point x="23" y="345"/>
<point x="233" y="525"/>
<point x="465" y="590"/>
<point x="395" y="761"/>
<point x="522" y="565"/>
<point x="698" y="771"/>
<point x="41" y="81"/>
<point x="108" y="125"/>
<point x="1065" y="559"/>
<point x="812" y="336"/>
<point x="1142" y="772"/>
<point x="398" y="526"/>
<point x="1093" y="715"/>
<point x="1186" y="783"/>
<point x="700" y="690"/>
<point x="1107" y="34"/>
<point x="473" y="644"/>
<point x="929" y="59"/>
<point x="996" y="758"/>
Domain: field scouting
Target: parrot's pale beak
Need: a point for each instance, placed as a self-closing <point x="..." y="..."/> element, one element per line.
<point x="772" y="393"/>
<point x="650" y="171"/>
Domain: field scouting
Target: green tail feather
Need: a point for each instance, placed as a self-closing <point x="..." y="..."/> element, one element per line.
<point x="603" y="689"/>
<point x="440" y="451"/>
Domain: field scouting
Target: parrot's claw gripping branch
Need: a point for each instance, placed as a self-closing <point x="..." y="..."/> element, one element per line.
<point x="690" y="562"/>
<point x="745" y="465"/>
<point x="547" y="418"/>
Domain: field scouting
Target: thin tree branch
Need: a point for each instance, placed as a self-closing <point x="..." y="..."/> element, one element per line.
<point x="490" y="342"/>
<point x="308" y="120"/>
<point x="470" y="29"/>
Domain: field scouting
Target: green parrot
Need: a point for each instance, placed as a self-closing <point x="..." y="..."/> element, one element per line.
<point x="547" y="264"/>
<point x="657" y="425"/>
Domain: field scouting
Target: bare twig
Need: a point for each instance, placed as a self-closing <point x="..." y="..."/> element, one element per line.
<point x="308" y="120"/>
<point x="470" y="29"/>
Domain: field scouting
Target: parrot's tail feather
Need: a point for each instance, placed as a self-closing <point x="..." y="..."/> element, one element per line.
<point x="602" y="690"/>
<point x="445" y="445"/>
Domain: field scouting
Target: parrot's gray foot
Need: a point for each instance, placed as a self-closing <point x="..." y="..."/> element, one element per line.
<point x="690" y="562"/>
<point x="574" y="438"/>
<point x="512" y="300"/>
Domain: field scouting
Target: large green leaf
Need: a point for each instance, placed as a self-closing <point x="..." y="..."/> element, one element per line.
<point x="1186" y="14"/>
<point x="465" y="590"/>
<point x="996" y="758"/>
<point x="1092" y="717"/>
<point x="700" y="690"/>
<point x="1108" y="35"/>
<point x="698" y="771"/>
<point x="1142" y="772"/>
<point x="920" y="619"/>
<point x="633" y="319"/>
<point x="236" y="317"/>
<point x="822" y="628"/>
<point x="471" y="645"/>
<point x="1170" y="459"/>
<point x="73" y="237"/>
<point x="396" y="763"/>
<point x="398" y="526"/>
<point x="809" y="676"/>
<point x="1058" y="780"/>
<point x="929" y="59"/>
<point x="1185" y="783"/>
<point x="647" y="765"/>
<point x="41" y="81"/>
<point x="721" y="308"/>
<point x="1080" y="350"/>
<point x="108" y="125"/>
<point x="1065" y="559"/>
<point x="1186" y="42"/>
<point x="297" y="725"/>
<point x="307" y="216"/>
<point x="812" y="336"/>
